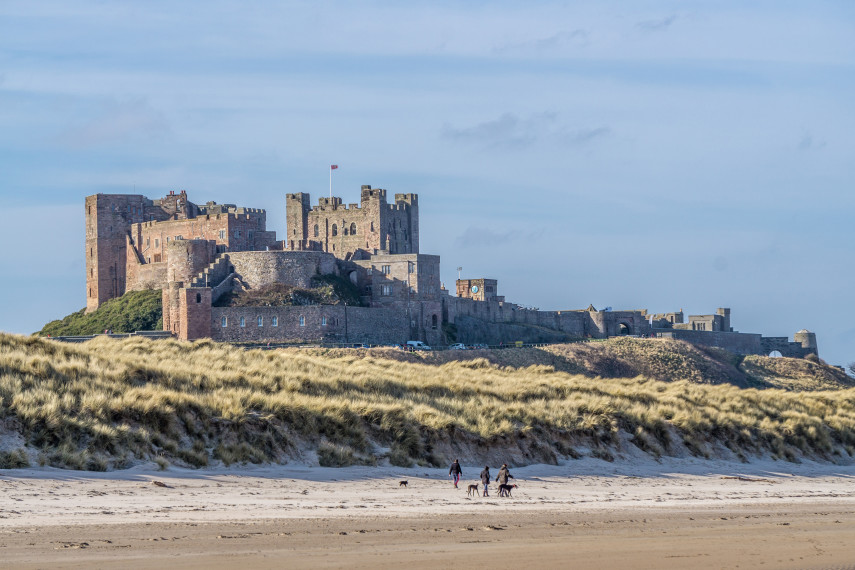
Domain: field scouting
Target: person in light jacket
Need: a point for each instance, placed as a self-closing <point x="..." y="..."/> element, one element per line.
<point x="504" y="475"/>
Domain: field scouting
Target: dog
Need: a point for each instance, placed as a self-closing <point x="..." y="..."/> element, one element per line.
<point x="505" y="490"/>
<point x="473" y="489"/>
<point x="402" y="484"/>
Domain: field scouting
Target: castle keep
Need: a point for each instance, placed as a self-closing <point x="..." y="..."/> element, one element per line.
<point x="200" y="255"/>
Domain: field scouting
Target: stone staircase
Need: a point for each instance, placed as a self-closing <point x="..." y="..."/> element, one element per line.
<point x="215" y="273"/>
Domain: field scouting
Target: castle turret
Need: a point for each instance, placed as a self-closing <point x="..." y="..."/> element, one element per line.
<point x="186" y="258"/>
<point x="725" y="314"/>
<point x="808" y="341"/>
<point x="297" y="208"/>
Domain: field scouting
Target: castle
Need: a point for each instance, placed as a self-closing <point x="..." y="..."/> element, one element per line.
<point x="198" y="255"/>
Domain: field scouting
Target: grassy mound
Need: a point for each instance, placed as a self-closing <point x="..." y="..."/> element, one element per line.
<point x="665" y="360"/>
<point x="133" y="311"/>
<point x="106" y="403"/>
<point x="325" y="290"/>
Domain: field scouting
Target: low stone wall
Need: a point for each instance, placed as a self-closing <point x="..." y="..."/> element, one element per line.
<point x="332" y="323"/>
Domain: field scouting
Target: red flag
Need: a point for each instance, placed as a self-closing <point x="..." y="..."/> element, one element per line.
<point x="333" y="166"/>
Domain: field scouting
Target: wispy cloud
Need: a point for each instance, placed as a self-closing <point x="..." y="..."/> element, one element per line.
<point x="808" y="142"/>
<point x="514" y="132"/>
<point x="474" y="236"/>
<point x="657" y="24"/>
<point x="566" y="38"/>
<point x="118" y="122"/>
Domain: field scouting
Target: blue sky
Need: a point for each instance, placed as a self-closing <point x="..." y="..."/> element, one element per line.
<point x="658" y="155"/>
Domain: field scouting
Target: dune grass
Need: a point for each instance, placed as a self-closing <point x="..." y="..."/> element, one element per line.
<point x="105" y="403"/>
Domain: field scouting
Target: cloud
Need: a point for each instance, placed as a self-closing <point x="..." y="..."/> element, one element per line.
<point x="473" y="236"/>
<point x="578" y="37"/>
<point x="656" y="25"/>
<point x="480" y="237"/>
<point x="807" y="142"/>
<point x="513" y="132"/>
<point x="118" y="122"/>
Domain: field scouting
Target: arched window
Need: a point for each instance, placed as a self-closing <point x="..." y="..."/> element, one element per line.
<point x="353" y="228"/>
<point x="433" y="320"/>
<point x="317" y="232"/>
<point x="334" y="230"/>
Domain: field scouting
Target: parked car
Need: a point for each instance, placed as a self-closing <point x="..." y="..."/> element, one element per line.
<point x="457" y="346"/>
<point x="417" y="345"/>
<point x="478" y="347"/>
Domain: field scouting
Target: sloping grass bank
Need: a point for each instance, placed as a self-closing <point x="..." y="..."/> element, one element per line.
<point x="106" y="403"/>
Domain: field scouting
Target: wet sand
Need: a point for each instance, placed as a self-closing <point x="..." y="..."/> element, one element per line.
<point x="584" y="514"/>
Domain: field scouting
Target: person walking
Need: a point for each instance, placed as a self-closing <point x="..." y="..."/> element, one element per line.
<point x="455" y="471"/>
<point x="485" y="479"/>
<point x="504" y="475"/>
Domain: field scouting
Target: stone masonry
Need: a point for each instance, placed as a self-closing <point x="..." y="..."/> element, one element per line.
<point x="197" y="253"/>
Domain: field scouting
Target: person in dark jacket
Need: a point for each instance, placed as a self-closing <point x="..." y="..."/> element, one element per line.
<point x="485" y="479"/>
<point x="455" y="471"/>
<point x="504" y="475"/>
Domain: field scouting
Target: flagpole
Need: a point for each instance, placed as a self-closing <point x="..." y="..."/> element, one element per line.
<point x="330" y="182"/>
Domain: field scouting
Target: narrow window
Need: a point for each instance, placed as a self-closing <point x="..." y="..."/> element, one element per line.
<point x="323" y="321"/>
<point x="334" y="230"/>
<point x="274" y="321"/>
<point x="249" y="234"/>
<point x="353" y="228"/>
<point x="156" y="242"/>
<point x="261" y="321"/>
<point x="222" y="234"/>
<point x="147" y="241"/>
<point x="302" y="321"/>
<point x="198" y="297"/>
<point x="237" y="233"/>
<point x="317" y="230"/>
<point x="411" y="267"/>
<point x="386" y="290"/>
<point x="433" y="320"/>
<point x="91" y="252"/>
<point x="242" y="321"/>
<point x="387" y="269"/>
<point x="224" y="322"/>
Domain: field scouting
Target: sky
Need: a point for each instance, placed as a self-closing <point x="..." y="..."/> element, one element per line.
<point x="661" y="155"/>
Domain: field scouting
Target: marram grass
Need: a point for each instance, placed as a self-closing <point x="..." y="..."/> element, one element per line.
<point x="107" y="403"/>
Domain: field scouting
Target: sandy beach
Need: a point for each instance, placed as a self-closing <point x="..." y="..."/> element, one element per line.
<point x="586" y="513"/>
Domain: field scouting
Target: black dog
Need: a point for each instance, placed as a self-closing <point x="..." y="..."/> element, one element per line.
<point x="505" y="490"/>
<point x="402" y="484"/>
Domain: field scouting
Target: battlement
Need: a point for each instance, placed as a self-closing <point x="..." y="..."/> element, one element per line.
<point x="372" y="226"/>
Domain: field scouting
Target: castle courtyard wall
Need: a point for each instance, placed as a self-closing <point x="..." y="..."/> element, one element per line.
<point x="295" y="268"/>
<point x="343" y="324"/>
<point x="736" y="342"/>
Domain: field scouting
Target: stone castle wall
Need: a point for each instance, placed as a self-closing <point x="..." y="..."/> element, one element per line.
<point x="295" y="268"/>
<point x="330" y="323"/>
<point x="353" y="230"/>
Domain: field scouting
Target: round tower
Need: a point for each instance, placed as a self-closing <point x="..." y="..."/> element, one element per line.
<point x="808" y="341"/>
<point x="186" y="258"/>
